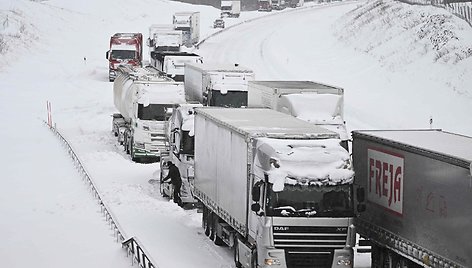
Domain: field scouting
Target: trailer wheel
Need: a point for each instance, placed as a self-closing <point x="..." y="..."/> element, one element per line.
<point x="131" y="151"/>
<point x="236" y="254"/>
<point x="375" y="256"/>
<point x="205" y="224"/>
<point x="398" y="262"/>
<point x="216" y="239"/>
<point x="211" y="226"/>
<point x="254" y="259"/>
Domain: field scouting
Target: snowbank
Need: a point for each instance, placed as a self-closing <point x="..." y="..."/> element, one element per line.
<point x="399" y="35"/>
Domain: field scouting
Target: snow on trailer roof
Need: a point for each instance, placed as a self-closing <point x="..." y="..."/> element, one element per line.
<point x="144" y="74"/>
<point x="219" y="66"/>
<point x="434" y="140"/>
<point x="265" y="122"/>
<point x="299" y="85"/>
<point x="161" y="54"/>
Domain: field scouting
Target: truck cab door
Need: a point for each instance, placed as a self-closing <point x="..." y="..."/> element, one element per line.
<point x="255" y="218"/>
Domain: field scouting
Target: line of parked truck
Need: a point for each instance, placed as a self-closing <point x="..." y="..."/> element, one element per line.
<point x="269" y="163"/>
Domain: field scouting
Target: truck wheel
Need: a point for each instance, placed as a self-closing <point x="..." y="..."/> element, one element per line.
<point x="211" y="226"/>
<point x="236" y="254"/>
<point x="254" y="259"/>
<point x="387" y="258"/>
<point x="214" y="234"/>
<point x="398" y="262"/>
<point x="375" y="256"/>
<point x="206" y="226"/>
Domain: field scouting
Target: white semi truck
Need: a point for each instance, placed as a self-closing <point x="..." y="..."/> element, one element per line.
<point x="172" y="63"/>
<point x="230" y="8"/>
<point x="276" y="189"/>
<point x="143" y="97"/>
<point x="314" y="102"/>
<point x="217" y="84"/>
<point x="180" y="150"/>
<point x="163" y="37"/>
<point x="189" y="24"/>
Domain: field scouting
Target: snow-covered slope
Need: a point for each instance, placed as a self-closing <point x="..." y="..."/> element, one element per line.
<point x="401" y="37"/>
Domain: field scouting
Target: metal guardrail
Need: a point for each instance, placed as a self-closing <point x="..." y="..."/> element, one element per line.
<point x="132" y="244"/>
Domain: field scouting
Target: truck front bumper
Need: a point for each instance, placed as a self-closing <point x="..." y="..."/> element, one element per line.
<point x="143" y="150"/>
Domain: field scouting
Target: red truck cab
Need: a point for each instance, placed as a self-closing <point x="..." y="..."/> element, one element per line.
<point x="125" y="49"/>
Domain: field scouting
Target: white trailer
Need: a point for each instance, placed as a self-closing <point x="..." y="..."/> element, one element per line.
<point x="217" y="84"/>
<point x="230" y="8"/>
<point x="317" y="103"/>
<point x="416" y="193"/>
<point x="172" y="63"/>
<point x="275" y="188"/>
<point x="144" y="98"/>
<point x="189" y="24"/>
<point x="163" y="37"/>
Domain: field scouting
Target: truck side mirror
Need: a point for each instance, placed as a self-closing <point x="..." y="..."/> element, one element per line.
<point x="256" y="192"/>
<point x="107" y="54"/>
<point x="255" y="207"/>
<point x="360" y="195"/>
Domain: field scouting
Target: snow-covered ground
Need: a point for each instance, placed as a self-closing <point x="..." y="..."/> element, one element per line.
<point x="400" y="65"/>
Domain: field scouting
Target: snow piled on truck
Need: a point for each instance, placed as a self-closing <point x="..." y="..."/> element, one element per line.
<point x="316" y="108"/>
<point x="306" y="162"/>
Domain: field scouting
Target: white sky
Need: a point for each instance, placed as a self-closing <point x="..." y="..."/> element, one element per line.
<point x="389" y="74"/>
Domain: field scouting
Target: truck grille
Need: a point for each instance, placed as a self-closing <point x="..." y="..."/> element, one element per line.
<point x="309" y="246"/>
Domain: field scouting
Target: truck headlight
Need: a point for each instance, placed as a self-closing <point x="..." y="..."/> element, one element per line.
<point x="272" y="262"/>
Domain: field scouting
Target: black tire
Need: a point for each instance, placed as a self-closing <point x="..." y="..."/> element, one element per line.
<point x="236" y="254"/>
<point x="254" y="260"/>
<point x="216" y="239"/>
<point x="205" y="225"/>
<point x="375" y="256"/>
<point x="211" y="226"/>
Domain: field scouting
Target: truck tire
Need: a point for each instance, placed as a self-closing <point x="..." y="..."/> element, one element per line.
<point x="236" y="254"/>
<point x="211" y="226"/>
<point x="216" y="239"/>
<point x="375" y="256"/>
<point x="205" y="224"/>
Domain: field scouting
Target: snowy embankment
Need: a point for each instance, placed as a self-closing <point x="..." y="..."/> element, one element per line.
<point x="401" y="37"/>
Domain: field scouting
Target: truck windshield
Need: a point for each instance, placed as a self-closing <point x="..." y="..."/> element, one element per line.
<point x="123" y="54"/>
<point x="232" y="99"/>
<point x="310" y="201"/>
<point x="153" y="112"/>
